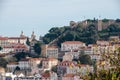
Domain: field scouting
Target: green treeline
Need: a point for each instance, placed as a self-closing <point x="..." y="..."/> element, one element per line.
<point x="88" y="34"/>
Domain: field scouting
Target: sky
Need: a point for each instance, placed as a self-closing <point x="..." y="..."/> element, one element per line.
<point x="41" y="15"/>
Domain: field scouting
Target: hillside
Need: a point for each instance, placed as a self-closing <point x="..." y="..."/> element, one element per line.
<point x="87" y="31"/>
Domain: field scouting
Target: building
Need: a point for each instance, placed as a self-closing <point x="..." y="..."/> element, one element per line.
<point x="62" y="66"/>
<point x="14" y="48"/>
<point x="49" y="76"/>
<point x="6" y="49"/>
<point x="34" y="62"/>
<point x="21" y="40"/>
<point x="71" y="77"/>
<point x="72" y="45"/>
<point x="48" y="63"/>
<point x="11" y="66"/>
<point x="101" y="43"/>
<point x="68" y="57"/>
<point x="44" y="50"/>
<point x="3" y="41"/>
<point x="24" y="64"/>
<point x="88" y="50"/>
<point x="74" y="55"/>
<point x="21" y="48"/>
<point x="52" y="52"/>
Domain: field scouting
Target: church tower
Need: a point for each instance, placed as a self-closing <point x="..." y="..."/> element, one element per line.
<point x="22" y="35"/>
<point x="33" y="36"/>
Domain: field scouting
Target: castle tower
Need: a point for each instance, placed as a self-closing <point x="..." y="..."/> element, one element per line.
<point x="99" y="26"/>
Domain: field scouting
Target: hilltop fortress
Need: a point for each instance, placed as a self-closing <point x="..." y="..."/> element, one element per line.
<point x="100" y="24"/>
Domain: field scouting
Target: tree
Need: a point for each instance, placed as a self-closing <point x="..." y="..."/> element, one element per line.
<point x="0" y="48"/>
<point x="54" y="69"/>
<point x="117" y="20"/>
<point x="3" y="62"/>
<point x="112" y="73"/>
<point x="17" y="68"/>
<point x="37" y="48"/>
<point x="105" y="20"/>
<point x="20" y="55"/>
<point x="85" y="59"/>
<point x="28" y="42"/>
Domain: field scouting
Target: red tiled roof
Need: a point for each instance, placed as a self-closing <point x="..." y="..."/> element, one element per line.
<point x="3" y="38"/>
<point x="46" y="75"/>
<point x="17" y="38"/>
<point x="24" y="60"/>
<point x="69" y="75"/>
<point x="12" y="63"/>
<point x="72" y="42"/>
<point x="49" y="59"/>
<point x="66" y="63"/>
<point x="16" y="46"/>
<point x="36" y="59"/>
<point x="81" y="65"/>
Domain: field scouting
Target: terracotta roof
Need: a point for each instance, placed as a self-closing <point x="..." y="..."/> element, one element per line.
<point x="3" y="38"/>
<point x="24" y="60"/>
<point x="46" y="75"/>
<point x="82" y="65"/>
<point x="11" y="63"/>
<point x="66" y="63"/>
<point x="69" y="75"/>
<point x="35" y="59"/>
<point x="17" y="38"/>
<point x="49" y="59"/>
<point x="72" y="42"/>
<point x="16" y="46"/>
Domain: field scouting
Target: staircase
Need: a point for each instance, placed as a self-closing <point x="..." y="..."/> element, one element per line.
<point x="54" y="42"/>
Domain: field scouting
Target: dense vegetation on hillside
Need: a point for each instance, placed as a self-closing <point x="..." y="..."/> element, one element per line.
<point x="88" y="34"/>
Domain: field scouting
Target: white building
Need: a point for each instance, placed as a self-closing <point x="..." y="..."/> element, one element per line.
<point x="88" y="50"/>
<point x="101" y="42"/>
<point x="6" y="49"/>
<point x="72" y="45"/>
<point x="52" y="52"/>
<point x="95" y="56"/>
<point x="24" y="64"/>
<point x="3" y="41"/>
<point x="21" y="40"/>
<point x="11" y="66"/>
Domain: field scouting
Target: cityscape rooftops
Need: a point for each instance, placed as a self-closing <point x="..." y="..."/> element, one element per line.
<point x="72" y="42"/>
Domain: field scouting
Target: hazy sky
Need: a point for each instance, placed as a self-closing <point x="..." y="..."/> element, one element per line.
<point x="41" y="15"/>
